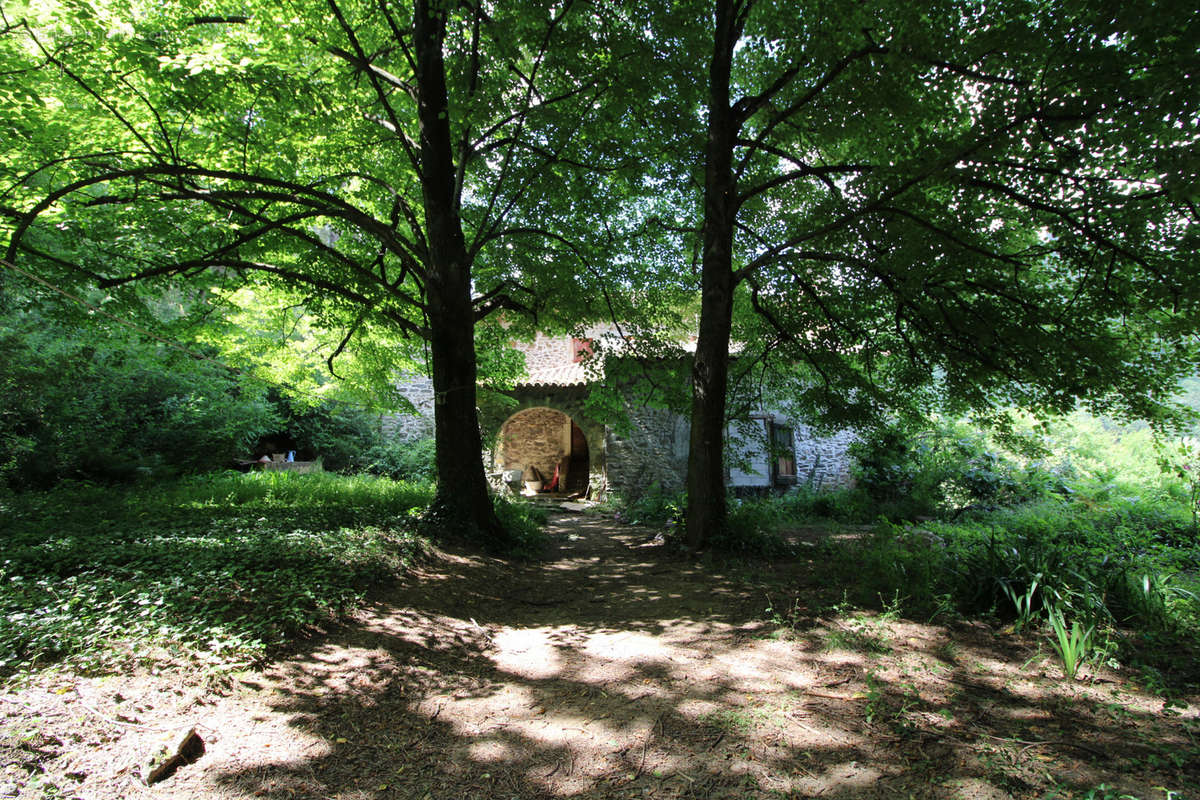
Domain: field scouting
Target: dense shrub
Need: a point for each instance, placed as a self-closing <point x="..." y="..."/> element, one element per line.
<point x="655" y="507"/>
<point x="408" y="460"/>
<point x="108" y="406"/>
<point x="1103" y="564"/>
<point x="343" y="436"/>
<point x="113" y="407"/>
<point x="944" y="469"/>
<point x="524" y="524"/>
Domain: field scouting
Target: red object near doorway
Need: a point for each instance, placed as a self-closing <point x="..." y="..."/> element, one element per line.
<point x="554" y="481"/>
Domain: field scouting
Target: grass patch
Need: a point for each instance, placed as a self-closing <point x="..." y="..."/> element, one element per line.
<point x="1104" y="568"/>
<point x="215" y="569"/>
<point x="524" y="523"/>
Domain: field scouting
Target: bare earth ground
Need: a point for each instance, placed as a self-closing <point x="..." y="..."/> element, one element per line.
<point x="612" y="670"/>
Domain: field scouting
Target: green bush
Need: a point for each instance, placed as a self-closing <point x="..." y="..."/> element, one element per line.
<point x="111" y="407"/>
<point x="944" y="469"/>
<point x="753" y="527"/>
<point x="408" y="460"/>
<point x="655" y="507"/>
<point x="1097" y="564"/>
<point x="343" y="436"/>
<point x="525" y="525"/>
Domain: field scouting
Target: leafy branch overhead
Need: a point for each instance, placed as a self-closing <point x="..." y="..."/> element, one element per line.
<point x="955" y="205"/>
<point x="388" y="163"/>
<point x="277" y="149"/>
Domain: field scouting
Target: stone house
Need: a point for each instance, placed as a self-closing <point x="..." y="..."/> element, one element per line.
<point x="545" y="426"/>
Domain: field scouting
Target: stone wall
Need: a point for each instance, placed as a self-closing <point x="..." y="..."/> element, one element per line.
<point x="824" y="462"/>
<point x="418" y="390"/>
<point x="537" y="437"/>
<point x="546" y="352"/>
<point x="495" y="421"/>
<point x="652" y="451"/>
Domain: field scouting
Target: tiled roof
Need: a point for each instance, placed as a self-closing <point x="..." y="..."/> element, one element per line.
<point x="559" y="375"/>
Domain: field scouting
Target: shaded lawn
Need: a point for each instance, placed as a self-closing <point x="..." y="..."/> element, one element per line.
<point x="213" y="569"/>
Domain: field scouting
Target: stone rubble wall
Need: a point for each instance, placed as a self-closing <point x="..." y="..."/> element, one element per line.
<point x="537" y="437"/>
<point x="824" y="463"/>
<point x="418" y="390"/>
<point x="545" y="352"/>
<point x="652" y="451"/>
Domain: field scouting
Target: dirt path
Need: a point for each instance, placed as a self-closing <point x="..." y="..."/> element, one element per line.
<point x="610" y="670"/>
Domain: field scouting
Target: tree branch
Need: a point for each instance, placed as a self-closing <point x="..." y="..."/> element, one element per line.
<point x="826" y="80"/>
<point x="806" y="171"/>
<point x="292" y="276"/>
<point x="374" y="78"/>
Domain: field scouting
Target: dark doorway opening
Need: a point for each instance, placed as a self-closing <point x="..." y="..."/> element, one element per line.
<point x="577" y="467"/>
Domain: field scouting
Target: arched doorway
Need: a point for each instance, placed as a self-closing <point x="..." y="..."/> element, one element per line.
<point x="546" y="442"/>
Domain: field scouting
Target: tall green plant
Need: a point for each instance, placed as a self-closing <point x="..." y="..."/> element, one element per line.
<point x="1074" y="646"/>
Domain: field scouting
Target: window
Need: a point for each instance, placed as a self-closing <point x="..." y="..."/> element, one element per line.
<point x="581" y="350"/>
<point x="783" y="449"/>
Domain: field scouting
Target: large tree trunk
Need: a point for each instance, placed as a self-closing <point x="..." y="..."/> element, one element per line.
<point x="462" y="500"/>
<point x="710" y="370"/>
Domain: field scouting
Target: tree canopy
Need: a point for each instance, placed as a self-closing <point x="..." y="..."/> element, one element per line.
<point x="950" y="203"/>
<point x="406" y="170"/>
<point x="955" y="204"/>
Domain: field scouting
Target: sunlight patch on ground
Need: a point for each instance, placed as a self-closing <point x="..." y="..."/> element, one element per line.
<point x="627" y="646"/>
<point x="528" y="652"/>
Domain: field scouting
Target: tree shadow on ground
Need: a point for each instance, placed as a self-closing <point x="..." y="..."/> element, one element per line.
<point x="611" y="670"/>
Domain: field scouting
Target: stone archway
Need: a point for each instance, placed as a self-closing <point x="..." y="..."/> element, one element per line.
<point x="548" y="441"/>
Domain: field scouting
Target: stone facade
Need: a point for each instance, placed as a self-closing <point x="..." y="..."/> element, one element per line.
<point x="824" y="462"/>
<point x="652" y="452"/>
<point x="533" y="427"/>
<point x="546" y="352"/>
<point x="536" y="437"/>
<point x="418" y="390"/>
<point x="536" y="429"/>
<point x="821" y="462"/>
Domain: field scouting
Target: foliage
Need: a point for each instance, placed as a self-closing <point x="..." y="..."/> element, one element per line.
<point x="1105" y="559"/>
<point x="1102" y="567"/>
<point x="889" y="208"/>
<point x="404" y="460"/>
<point x="1181" y="459"/>
<point x="111" y="406"/>
<point x="382" y="175"/>
<point x="524" y="524"/>
<point x="343" y="436"/>
<point x="753" y="526"/>
<point x="655" y="507"/>
<point x="115" y="406"/>
<point x="1073" y="646"/>
<point x="942" y="468"/>
<point x="214" y="570"/>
